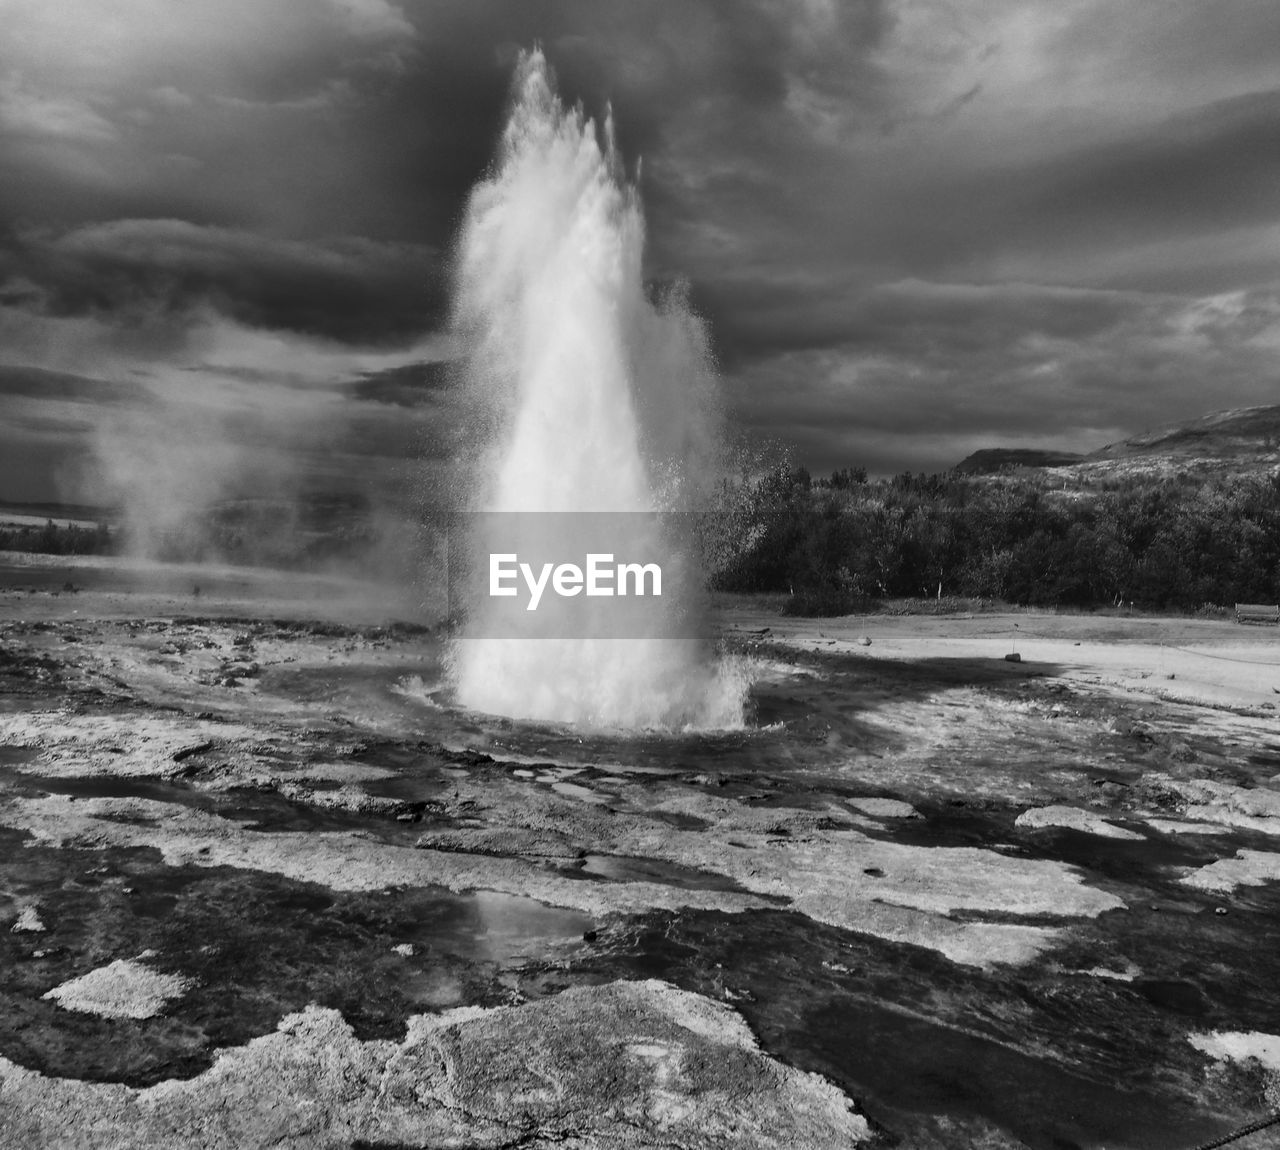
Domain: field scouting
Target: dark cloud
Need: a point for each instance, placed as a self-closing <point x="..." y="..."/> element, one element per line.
<point x="677" y="75"/>
<point x="910" y="225"/>
<point x="37" y="383"/>
<point x="349" y="288"/>
<point x="939" y="368"/>
<point x="911" y="317"/>
<point x="1216" y="166"/>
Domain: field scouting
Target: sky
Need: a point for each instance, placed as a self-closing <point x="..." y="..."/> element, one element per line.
<point x="915" y="228"/>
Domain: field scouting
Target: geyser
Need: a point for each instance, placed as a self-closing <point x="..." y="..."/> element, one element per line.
<point x="592" y="400"/>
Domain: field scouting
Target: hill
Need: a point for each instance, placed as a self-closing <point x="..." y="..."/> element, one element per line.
<point x="991" y="460"/>
<point x="1244" y="431"/>
<point x="1240" y="438"/>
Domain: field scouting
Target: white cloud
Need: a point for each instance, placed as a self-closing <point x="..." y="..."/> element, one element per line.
<point x="375" y="19"/>
<point x="26" y="112"/>
<point x="168" y="96"/>
<point x="170" y="53"/>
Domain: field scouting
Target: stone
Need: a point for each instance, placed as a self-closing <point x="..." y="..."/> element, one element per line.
<point x="28" y="922"/>
<point x="122" y="989"/>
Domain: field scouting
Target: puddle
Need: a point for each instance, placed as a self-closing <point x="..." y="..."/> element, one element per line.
<point x="1156" y="858"/>
<point x="348" y="679"/>
<point x="255" y="947"/>
<point x="13" y="756"/>
<point x="780" y="731"/>
<point x="109" y="787"/>
<point x="913" y="1038"/>
<point x="1173" y="994"/>
<point x="901" y="1065"/>
<point x="680" y="821"/>
<point x="619" y="868"/>
<point x="581" y="794"/>
<point x="366" y="692"/>
<point x="425" y="784"/>
<point x="506" y="927"/>
<point x="260" y="810"/>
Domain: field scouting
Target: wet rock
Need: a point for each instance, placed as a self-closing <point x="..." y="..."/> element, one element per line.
<point x="496" y="841"/>
<point x="885" y="808"/>
<point x="1240" y="1046"/>
<point x="347" y="862"/>
<point x="345" y="798"/>
<point x="923" y="727"/>
<point x="1180" y="827"/>
<point x="340" y="772"/>
<point x="191" y="749"/>
<point x="1253" y="1058"/>
<point x="1248" y="868"/>
<point x="119" y="745"/>
<point x="1128" y="974"/>
<point x="1073" y="818"/>
<point x="28" y="922"/>
<point x="1253" y="808"/>
<point x="122" y="989"/>
<point x="614" y="1067"/>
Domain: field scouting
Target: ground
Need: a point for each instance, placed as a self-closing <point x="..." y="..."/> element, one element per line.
<point x="261" y="884"/>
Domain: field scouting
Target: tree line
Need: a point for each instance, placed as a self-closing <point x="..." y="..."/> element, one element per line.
<point x="1173" y="542"/>
<point x="840" y="543"/>
<point x="52" y="538"/>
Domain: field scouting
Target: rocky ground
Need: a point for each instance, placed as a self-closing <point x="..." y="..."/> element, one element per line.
<point x="261" y="884"/>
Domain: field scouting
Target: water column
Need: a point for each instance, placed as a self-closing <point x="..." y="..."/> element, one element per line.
<point x="592" y="399"/>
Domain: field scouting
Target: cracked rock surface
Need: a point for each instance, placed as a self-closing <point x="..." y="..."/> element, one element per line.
<point x="637" y="1064"/>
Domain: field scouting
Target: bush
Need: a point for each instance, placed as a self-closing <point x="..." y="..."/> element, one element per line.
<point x="1177" y="543"/>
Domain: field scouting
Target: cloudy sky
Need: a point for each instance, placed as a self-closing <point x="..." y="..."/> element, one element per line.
<point x="916" y="227"/>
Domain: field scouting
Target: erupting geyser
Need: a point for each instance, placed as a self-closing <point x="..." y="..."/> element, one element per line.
<point x="592" y="398"/>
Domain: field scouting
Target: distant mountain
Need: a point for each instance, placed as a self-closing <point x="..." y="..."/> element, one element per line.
<point x="1243" y="436"/>
<point x="991" y="460"/>
<point x="1244" y="431"/>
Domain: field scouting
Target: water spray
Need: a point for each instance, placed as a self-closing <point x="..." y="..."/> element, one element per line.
<point x="593" y="399"/>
